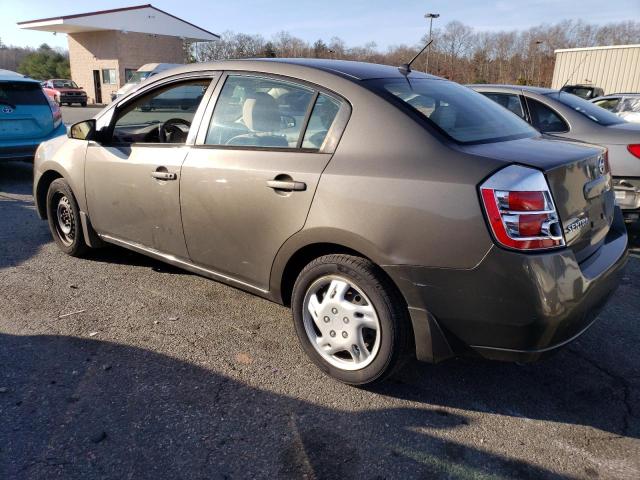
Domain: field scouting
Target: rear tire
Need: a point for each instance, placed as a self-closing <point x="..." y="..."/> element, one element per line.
<point x="350" y="319"/>
<point x="63" y="215"/>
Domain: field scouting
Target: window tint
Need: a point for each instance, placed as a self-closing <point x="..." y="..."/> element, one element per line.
<point x="464" y="115"/>
<point x="508" y="101"/>
<point x="21" y="93"/>
<point x="608" y="103"/>
<point x="259" y="112"/>
<point x="588" y="109"/>
<point x="322" y="117"/>
<point x="545" y="119"/>
<point x="161" y="116"/>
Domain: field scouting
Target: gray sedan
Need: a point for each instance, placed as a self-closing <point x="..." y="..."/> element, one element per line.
<point x="396" y="213"/>
<point x="565" y="115"/>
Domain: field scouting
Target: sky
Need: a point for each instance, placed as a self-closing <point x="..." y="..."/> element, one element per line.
<point x="386" y="22"/>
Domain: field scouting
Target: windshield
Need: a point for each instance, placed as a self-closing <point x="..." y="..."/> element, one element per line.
<point x="592" y="112"/>
<point x="462" y="114"/>
<point x="21" y="93"/>
<point x="138" y="77"/>
<point x="64" y="84"/>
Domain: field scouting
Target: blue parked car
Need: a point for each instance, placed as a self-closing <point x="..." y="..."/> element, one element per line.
<point x="27" y="117"/>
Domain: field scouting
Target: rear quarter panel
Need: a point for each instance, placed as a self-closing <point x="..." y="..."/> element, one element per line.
<point x="402" y="195"/>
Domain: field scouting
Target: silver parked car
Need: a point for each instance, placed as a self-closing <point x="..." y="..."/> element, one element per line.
<point x="565" y="115"/>
<point x="396" y="213"/>
<point x="625" y="105"/>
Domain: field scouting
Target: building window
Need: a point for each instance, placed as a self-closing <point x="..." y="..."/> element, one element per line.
<point x="128" y="73"/>
<point x="109" y="76"/>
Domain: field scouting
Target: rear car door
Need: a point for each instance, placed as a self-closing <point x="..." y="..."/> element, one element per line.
<point x="133" y="177"/>
<point x="248" y="183"/>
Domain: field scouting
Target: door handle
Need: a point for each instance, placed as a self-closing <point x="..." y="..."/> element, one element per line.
<point x="160" y="175"/>
<point x="287" y="185"/>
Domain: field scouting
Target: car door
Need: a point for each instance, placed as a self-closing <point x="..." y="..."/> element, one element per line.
<point x="545" y="119"/>
<point x="248" y="183"/>
<point x="133" y="176"/>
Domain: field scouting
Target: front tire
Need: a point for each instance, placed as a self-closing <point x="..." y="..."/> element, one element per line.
<point x="350" y="319"/>
<point x="63" y="215"/>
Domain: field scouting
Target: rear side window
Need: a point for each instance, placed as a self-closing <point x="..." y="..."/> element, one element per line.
<point x="631" y="105"/>
<point x="608" y="103"/>
<point x="507" y="100"/>
<point x="322" y="117"/>
<point x="462" y="114"/>
<point x="545" y="119"/>
<point x="259" y="112"/>
<point x="21" y="93"/>
<point x="588" y="109"/>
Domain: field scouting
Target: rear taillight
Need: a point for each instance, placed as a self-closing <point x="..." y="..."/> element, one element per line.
<point x="520" y="209"/>
<point x="55" y="110"/>
<point x="634" y="150"/>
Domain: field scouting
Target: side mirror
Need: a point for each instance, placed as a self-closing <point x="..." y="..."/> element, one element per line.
<point x="287" y="121"/>
<point x="85" y="130"/>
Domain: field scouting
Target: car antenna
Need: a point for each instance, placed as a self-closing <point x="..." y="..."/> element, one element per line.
<point x="575" y="70"/>
<point x="405" y="68"/>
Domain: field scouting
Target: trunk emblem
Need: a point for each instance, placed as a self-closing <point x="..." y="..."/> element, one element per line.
<point x="7" y="110"/>
<point x="576" y="225"/>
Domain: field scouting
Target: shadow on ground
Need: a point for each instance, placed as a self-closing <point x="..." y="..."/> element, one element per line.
<point x="79" y="408"/>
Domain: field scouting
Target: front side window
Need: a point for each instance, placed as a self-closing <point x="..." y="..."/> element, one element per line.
<point x="608" y="103"/>
<point x="259" y="112"/>
<point x="109" y="76"/>
<point x="163" y="115"/>
<point x="545" y="119"/>
<point x="592" y="112"/>
<point x="509" y="101"/>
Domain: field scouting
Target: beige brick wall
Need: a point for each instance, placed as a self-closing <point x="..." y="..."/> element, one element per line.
<point x="89" y="51"/>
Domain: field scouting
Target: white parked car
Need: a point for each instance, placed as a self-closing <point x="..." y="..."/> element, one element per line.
<point x="625" y="105"/>
<point x="144" y="72"/>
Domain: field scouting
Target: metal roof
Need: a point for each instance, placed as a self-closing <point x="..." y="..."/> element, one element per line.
<point x="140" y="18"/>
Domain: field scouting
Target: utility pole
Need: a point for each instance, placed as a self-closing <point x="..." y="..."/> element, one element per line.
<point x="430" y="16"/>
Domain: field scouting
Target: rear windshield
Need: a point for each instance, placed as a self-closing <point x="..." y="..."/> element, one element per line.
<point x="21" y="93"/>
<point x="594" y="113"/>
<point x="462" y="114"/>
<point x="582" y="92"/>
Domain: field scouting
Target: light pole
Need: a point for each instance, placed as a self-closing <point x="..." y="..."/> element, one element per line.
<point x="430" y="16"/>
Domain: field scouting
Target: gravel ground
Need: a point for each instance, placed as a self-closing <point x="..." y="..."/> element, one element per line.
<point x="118" y="366"/>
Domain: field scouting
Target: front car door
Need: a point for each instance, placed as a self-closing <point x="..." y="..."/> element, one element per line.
<point x="132" y="178"/>
<point x="248" y="183"/>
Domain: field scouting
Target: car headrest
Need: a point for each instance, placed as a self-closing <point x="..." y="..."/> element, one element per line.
<point x="260" y="113"/>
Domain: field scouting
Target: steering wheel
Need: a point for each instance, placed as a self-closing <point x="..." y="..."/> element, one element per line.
<point x="170" y="128"/>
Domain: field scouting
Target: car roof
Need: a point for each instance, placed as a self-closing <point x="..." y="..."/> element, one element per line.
<point x="524" y="88"/>
<point x="345" y="68"/>
<point x="15" y="76"/>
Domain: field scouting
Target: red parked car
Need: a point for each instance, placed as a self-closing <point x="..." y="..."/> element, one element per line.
<point x="65" y="91"/>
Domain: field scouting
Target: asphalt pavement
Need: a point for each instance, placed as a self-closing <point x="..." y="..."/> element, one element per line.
<point x="118" y="366"/>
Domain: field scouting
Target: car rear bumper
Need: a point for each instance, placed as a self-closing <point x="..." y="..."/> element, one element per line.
<point x="511" y="306"/>
<point x="25" y="149"/>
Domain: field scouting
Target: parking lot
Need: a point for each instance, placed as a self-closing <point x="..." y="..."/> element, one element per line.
<point x="120" y="366"/>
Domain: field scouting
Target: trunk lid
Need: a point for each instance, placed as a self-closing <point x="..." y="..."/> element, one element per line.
<point x="24" y="111"/>
<point x="579" y="179"/>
